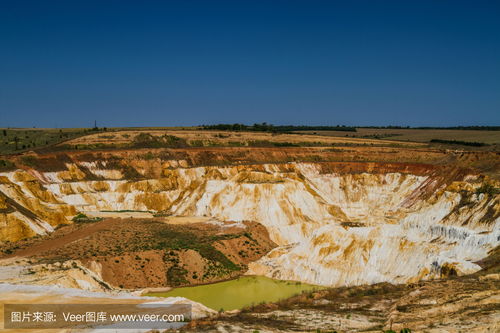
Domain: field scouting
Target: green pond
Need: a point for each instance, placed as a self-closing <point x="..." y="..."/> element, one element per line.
<point x="239" y="293"/>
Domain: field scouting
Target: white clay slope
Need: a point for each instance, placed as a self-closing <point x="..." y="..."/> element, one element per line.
<point x="332" y="229"/>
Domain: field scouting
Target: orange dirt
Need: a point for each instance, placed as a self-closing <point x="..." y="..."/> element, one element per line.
<point x="480" y="161"/>
<point x="142" y="253"/>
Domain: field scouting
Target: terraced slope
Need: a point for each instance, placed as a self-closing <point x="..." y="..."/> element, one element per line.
<point x="335" y="223"/>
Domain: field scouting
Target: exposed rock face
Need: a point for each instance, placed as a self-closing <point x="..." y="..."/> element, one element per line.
<point x="27" y="209"/>
<point x="335" y="223"/>
<point x="70" y="274"/>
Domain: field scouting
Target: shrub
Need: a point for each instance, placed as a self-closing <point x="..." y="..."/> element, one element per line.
<point x="82" y="218"/>
<point x="196" y="143"/>
<point x="285" y="144"/>
<point x="148" y="156"/>
<point x="458" y="142"/>
<point x="176" y="275"/>
<point x="488" y="189"/>
<point x="146" y="140"/>
<point x="6" y="165"/>
<point x="29" y="160"/>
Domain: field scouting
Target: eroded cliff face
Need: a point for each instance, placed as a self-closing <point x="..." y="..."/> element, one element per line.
<point x="335" y="223"/>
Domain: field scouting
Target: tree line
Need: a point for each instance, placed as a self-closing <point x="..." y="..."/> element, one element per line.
<point x="265" y="127"/>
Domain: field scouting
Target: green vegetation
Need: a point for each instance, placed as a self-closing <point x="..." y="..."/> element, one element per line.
<point x="169" y="239"/>
<point x="161" y="214"/>
<point x="6" y="165"/>
<point x="29" y="160"/>
<point x="146" y="140"/>
<point x="82" y="218"/>
<point x="265" y="127"/>
<point x="379" y="136"/>
<point x="46" y="163"/>
<point x="462" y="128"/>
<point x="127" y="211"/>
<point x="196" y="143"/>
<point x="256" y="143"/>
<point x="177" y="275"/>
<point x="403" y="134"/>
<point x="458" y="142"/>
<point x="488" y="189"/>
<point x="252" y="143"/>
<point x="13" y="140"/>
<point x="149" y="156"/>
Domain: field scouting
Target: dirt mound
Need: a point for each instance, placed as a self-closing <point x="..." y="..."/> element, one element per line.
<point x="140" y="253"/>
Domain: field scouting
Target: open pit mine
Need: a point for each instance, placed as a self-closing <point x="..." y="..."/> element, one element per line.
<point x="128" y="221"/>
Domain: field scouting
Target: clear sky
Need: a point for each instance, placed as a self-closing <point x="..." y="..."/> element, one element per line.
<point x="169" y="63"/>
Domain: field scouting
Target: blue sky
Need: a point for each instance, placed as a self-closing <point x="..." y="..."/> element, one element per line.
<point x="170" y="63"/>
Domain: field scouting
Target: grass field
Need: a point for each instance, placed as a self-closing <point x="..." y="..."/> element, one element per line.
<point x="17" y="140"/>
<point x="418" y="135"/>
<point x="212" y="138"/>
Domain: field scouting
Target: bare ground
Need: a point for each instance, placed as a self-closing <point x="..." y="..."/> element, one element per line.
<point x="140" y="253"/>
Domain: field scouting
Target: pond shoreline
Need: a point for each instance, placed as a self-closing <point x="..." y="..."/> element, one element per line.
<point x="238" y="293"/>
<point x="168" y="288"/>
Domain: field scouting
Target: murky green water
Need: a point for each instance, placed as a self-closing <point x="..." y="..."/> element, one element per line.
<point x="241" y="292"/>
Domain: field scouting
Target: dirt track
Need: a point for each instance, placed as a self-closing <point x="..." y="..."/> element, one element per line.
<point x="58" y="240"/>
